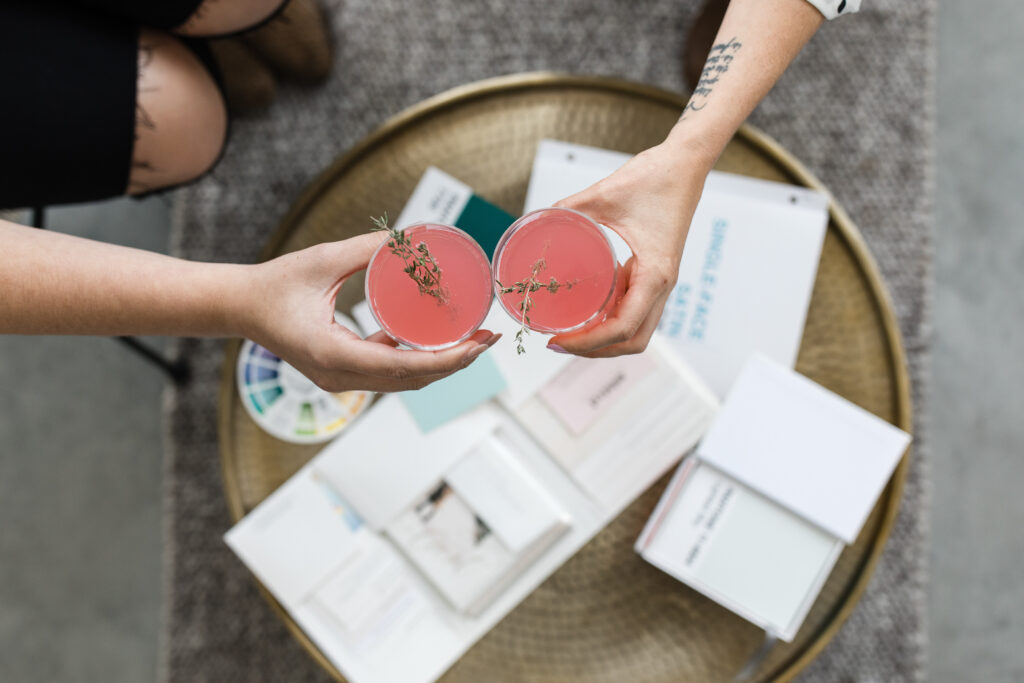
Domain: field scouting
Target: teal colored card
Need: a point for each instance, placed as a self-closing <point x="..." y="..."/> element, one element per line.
<point x="452" y="396"/>
<point x="485" y="223"/>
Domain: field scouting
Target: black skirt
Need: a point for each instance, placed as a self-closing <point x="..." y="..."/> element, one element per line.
<point x="68" y="77"/>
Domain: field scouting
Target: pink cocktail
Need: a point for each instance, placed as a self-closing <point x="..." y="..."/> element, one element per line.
<point x="459" y="303"/>
<point x="564" y="246"/>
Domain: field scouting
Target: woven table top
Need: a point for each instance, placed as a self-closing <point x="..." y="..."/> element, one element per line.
<point x="606" y="615"/>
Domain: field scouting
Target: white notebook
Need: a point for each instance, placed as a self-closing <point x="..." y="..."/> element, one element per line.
<point x="804" y="447"/>
<point x="783" y="480"/>
<point x="739" y="548"/>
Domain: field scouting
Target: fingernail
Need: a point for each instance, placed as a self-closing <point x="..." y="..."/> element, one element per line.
<point x="556" y="348"/>
<point x="493" y="340"/>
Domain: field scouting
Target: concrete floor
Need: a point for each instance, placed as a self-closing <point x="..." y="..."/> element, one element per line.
<point x="80" y="460"/>
<point x="977" y="593"/>
<point x="80" y="435"/>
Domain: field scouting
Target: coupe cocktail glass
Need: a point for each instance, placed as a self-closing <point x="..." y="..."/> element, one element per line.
<point x="561" y="245"/>
<point x="420" y="320"/>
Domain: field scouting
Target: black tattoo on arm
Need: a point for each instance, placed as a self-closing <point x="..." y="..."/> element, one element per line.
<point x="717" y="64"/>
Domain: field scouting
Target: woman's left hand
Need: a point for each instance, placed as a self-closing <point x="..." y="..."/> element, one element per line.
<point x="649" y="202"/>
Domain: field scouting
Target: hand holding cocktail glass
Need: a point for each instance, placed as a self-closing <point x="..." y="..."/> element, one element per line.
<point x="293" y="315"/>
<point x="650" y="202"/>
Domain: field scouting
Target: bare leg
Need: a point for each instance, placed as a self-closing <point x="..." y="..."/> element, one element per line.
<point x="221" y="17"/>
<point x="180" y="118"/>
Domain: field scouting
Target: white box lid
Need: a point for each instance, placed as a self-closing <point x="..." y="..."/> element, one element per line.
<point x="804" y="447"/>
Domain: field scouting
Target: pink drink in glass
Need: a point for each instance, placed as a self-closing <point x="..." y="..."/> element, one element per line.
<point x="419" y="320"/>
<point x="570" y="248"/>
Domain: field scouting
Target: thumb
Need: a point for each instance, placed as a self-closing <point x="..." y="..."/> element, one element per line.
<point x="591" y="202"/>
<point x="351" y="255"/>
<point x="577" y="201"/>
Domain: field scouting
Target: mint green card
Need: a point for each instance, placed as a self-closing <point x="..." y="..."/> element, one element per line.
<point x="456" y="394"/>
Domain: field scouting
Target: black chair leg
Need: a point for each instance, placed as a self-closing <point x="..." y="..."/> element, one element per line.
<point x="177" y="371"/>
<point x="39" y="217"/>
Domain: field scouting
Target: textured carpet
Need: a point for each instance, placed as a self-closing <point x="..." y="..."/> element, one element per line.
<point x="856" y="108"/>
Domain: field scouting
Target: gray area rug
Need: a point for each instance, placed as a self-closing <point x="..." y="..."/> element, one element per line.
<point x="856" y="108"/>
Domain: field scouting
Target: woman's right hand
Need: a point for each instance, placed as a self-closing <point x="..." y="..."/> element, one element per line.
<point x="290" y="310"/>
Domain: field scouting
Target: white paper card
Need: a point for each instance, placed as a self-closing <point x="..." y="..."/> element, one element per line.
<point x="372" y="607"/>
<point x="438" y="198"/>
<point x="297" y="537"/>
<point x="804" y="447"/>
<point x="384" y="461"/>
<point x="524" y="373"/>
<point x="503" y="495"/>
<point x="739" y="548"/>
<point x="446" y="540"/>
<point x="587" y="391"/>
<point x="747" y="271"/>
<point x="652" y="423"/>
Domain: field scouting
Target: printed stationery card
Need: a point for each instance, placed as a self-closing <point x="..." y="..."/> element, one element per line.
<point x="617" y="426"/>
<point x="739" y="548"/>
<point x="456" y="549"/>
<point x="385" y="461"/>
<point x="472" y="530"/>
<point x="587" y="389"/>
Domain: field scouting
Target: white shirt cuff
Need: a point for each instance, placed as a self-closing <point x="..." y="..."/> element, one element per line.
<point x="836" y="8"/>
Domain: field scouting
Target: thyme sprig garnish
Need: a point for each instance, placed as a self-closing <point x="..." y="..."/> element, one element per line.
<point x="528" y="288"/>
<point x="420" y="264"/>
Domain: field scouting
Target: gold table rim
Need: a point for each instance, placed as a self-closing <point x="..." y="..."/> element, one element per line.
<point x="750" y="134"/>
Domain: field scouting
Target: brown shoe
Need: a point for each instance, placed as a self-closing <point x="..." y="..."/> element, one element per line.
<point x="249" y="84"/>
<point x="296" y="44"/>
<point x="293" y="46"/>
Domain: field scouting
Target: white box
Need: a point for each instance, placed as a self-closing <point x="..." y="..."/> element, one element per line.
<point x="785" y="477"/>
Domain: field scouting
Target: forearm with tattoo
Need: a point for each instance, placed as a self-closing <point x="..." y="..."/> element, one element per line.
<point x="755" y="43"/>
<point x="717" y="65"/>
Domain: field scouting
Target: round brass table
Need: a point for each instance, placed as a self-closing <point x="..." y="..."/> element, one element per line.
<point x="605" y="615"/>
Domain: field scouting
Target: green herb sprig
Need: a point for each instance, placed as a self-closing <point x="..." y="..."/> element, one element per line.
<point x="420" y="264"/>
<point x="528" y="288"/>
